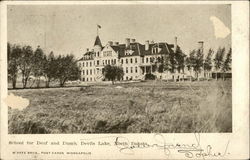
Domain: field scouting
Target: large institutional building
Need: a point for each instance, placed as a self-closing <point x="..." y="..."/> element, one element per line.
<point x="136" y="59"/>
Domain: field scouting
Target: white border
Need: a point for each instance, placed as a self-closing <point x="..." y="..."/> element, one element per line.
<point x="239" y="139"/>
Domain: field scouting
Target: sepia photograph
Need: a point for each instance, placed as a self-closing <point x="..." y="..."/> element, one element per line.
<point x="87" y="69"/>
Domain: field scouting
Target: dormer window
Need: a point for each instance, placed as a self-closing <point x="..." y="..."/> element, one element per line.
<point x="155" y="50"/>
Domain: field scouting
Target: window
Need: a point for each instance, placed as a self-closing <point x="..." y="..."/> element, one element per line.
<point x="122" y="61"/>
<point x="105" y="61"/>
<point x="142" y="59"/>
<point x="87" y="72"/>
<point x="86" y="64"/>
<point x="83" y="72"/>
<point x="131" y="70"/>
<point x="135" y="60"/>
<point x="90" y="64"/>
<point x="131" y="60"/>
<point x="90" y="79"/>
<point x="126" y="61"/>
<point x="108" y="61"/>
<point x="126" y="69"/>
<point x="135" y="69"/>
<point x="114" y="61"/>
<point x="147" y="60"/>
<point x="87" y="79"/>
<point x="79" y="64"/>
<point x="126" y="78"/>
<point x="90" y="72"/>
<point x="97" y="54"/>
<point x="97" y="62"/>
<point x="83" y="79"/>
<point x="83" y="64"/>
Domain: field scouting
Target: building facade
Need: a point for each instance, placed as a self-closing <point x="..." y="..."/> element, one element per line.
<point x="136" y="59"/>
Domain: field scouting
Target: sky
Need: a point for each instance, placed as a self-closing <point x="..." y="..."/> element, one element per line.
<point x="70" y="29"/>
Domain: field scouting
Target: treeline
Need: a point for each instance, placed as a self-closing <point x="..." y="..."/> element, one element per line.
<point x="197" y="61"/>
<point x="37" y="65"/>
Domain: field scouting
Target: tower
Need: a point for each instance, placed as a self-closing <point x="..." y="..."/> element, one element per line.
<point x="97" y="45"/>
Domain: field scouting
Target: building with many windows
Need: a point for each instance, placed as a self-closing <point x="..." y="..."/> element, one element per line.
<point x="136" y="59"/>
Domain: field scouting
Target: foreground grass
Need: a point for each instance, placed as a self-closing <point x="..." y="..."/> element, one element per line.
<point x="135" y="108"/>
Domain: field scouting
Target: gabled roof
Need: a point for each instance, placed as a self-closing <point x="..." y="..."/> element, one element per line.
<point x="135" y="47"/>
<point x="139" y="49"/>
<point x="97" y="41"/>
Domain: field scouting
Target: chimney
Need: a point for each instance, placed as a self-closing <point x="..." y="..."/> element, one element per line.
<point x="127" y="42"/>
<point x="87" y="50"/>
<point x="200" y="45"/>
<point x="110" y="43"/>
<point x="175" y="44"/>
<point x="133" y="40"/>
<point x="146" y="45"/>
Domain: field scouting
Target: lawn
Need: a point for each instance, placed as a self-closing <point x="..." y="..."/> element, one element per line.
<point x="145" y="107"/>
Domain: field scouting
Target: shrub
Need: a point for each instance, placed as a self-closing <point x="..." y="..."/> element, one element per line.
<point x="150" y="76"/>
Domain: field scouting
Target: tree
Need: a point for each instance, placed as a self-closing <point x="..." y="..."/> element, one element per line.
<point x="25" y="64"/>
<point x="226" y="66"/>
<point x="218" y="60"/>
<point x="113" y="73"/>
<point x="49" y="68"/>
<point x="189" y="66"/>
<point x="207" y="66"/>
<point x="38" y="63"/>
<point x="166" y="63"/>
<point x="180" y="60"/>
<point x="119" y="73"/>
<point x="172" y="62"/>
<point x="196" y="61"/>
<point x="13" y="54"/>
<point x="66" y="68"/>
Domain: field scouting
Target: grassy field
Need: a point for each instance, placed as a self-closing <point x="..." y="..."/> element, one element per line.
<point x="145" y="107"/>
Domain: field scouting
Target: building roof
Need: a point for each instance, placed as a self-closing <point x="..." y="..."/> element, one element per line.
<point x="137" y="49"/>
<point x="97" y="41"/>
<point x="89" y="55"/>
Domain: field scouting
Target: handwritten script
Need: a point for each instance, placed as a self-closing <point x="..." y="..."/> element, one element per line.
<point x="193" y="150"/>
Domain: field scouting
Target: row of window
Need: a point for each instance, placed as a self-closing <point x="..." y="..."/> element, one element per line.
<point x="91" y="71"/>
<point x="110" y="62"/>
<point x="107" y="53"/>
<point x="88" y="79"/>
<point x="130" y="78"/>
<point x="91" y="55"/>
<point x="104" y="62"/>
<point x="113" y="61"/>
<point x="135" y="70"/>
<point x="144" y="60"/>
<point x="131" y="60"/>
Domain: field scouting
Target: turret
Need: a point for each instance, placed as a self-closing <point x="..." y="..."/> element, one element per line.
<point x="97" y="44"/>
